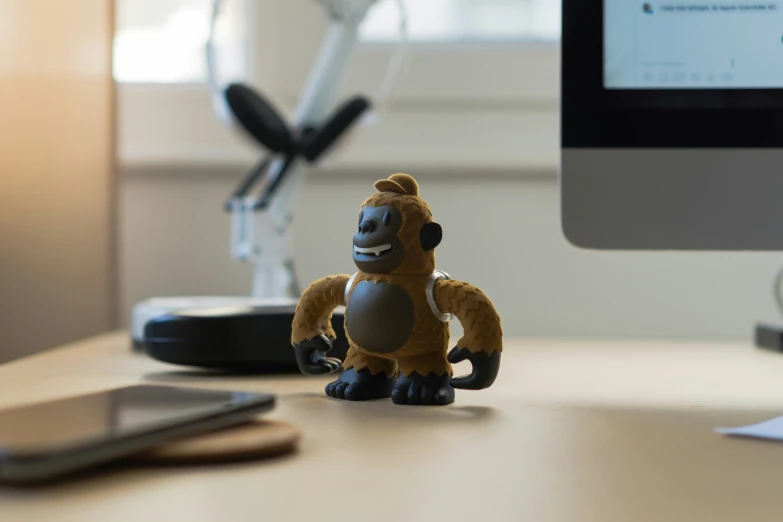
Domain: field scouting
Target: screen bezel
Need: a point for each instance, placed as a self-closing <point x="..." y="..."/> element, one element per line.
<point x="596" y="117"/>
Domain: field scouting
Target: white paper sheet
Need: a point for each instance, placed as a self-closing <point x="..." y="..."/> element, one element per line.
<point x="771" y="429"/>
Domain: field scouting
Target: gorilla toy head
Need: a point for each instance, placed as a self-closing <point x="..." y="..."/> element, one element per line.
<point x="396" y="233"/>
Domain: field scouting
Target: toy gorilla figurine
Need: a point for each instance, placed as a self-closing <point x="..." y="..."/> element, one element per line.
<point x="397" y="311"/>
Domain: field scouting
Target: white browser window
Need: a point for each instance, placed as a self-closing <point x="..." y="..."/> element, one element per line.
<point x="682" y="44"/>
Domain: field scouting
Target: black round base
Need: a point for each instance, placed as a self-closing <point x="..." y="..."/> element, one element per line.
<point x="244" y="340"/>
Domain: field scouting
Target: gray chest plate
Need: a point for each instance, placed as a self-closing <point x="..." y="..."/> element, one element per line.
<point x="379" y="316"/>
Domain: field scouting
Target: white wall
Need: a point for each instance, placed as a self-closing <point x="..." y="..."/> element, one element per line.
<point x="502" y="233"/>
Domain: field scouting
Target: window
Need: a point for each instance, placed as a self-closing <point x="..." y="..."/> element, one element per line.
<point x="162" y="41"/>
<point x="466" y="20"/>
<point x="481" y="89"/>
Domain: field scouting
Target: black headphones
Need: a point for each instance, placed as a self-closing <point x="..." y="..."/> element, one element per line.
<point x="258" y="118"/>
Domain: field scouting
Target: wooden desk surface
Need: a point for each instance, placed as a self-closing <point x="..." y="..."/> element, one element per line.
<point x="571" y="431"/>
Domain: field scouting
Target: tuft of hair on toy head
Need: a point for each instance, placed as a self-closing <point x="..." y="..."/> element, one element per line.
<point x="399" y="184"/>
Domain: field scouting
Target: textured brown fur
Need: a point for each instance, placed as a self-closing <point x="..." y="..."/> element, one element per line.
<point x="480" y="321"/>
<point x="313" y="316"/>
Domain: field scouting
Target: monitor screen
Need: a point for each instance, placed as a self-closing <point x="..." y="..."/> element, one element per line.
<point x="692" y="44"/>
<point x="672" y="124"/>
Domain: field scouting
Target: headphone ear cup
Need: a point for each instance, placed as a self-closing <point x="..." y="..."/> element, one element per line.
<point x="258" y="117"/>
<point x="335" y="127"/>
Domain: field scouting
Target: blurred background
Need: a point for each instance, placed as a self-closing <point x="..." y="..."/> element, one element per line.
<point x="115" y="168"/>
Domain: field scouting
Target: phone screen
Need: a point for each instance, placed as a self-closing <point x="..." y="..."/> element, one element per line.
<point x="114" y="414"/>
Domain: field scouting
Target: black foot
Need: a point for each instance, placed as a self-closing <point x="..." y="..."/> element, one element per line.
<point x="433" y="390"/>
<point x="361" y="386"/>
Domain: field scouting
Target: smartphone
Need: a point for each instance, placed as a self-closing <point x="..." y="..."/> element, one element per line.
<point x="47" y="440"/>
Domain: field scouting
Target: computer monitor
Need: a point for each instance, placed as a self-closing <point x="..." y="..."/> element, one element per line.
<point x="672" y="123"/>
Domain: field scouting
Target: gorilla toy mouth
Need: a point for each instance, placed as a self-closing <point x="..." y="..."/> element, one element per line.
<point x="376" y="251"/>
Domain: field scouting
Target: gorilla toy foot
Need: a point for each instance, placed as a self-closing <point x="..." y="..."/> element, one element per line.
<point x="360" y="386"/>
<point x="433" y="390"/>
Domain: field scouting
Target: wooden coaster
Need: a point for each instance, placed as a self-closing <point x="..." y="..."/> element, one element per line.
<point x="253" y="440"/>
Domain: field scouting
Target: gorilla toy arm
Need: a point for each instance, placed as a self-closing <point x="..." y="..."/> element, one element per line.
<point x="483" y="339"/>
<point x="313" y="334"/>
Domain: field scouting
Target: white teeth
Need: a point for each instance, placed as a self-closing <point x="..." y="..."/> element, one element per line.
<point x="377" y="251"/>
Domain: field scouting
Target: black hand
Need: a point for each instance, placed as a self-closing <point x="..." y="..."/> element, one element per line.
<point x="311" y="356"/>
<point x="485" y="368"/>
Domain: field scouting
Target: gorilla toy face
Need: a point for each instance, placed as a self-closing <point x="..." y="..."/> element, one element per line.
<point x="376" y="245"/>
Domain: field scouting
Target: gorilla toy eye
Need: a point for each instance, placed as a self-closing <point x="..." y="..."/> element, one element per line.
<point x="387" y="218"/>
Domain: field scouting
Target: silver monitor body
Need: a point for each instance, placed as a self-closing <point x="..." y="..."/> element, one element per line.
<point x="672" y="125"/>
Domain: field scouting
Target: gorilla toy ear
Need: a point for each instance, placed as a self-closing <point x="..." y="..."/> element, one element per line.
<point x="431" y="235"/>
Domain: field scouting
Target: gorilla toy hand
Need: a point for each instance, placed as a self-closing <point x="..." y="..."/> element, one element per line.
<point x="485" y="368"/>
<point x="311" y="356"/>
